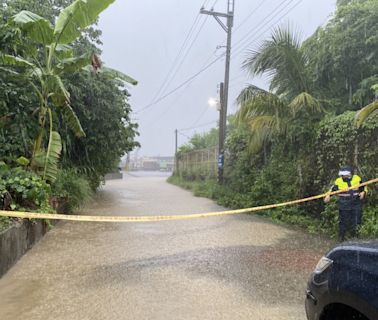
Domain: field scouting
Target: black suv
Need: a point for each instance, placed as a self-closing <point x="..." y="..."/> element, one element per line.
<point x="344" y="284"/>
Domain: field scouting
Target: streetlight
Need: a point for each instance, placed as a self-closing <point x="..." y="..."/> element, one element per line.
<point x="214" y="103"/>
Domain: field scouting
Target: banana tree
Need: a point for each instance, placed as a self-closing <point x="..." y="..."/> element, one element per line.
<point x="45" y="74"/>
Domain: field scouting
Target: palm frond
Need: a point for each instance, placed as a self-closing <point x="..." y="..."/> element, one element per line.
<point x="248" y="93"/>
<point x="365" y="112"/>
<point x="306" y="102"/>
<point x="281" y="59"/>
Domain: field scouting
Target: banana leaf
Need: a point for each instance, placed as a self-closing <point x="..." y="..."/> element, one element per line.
<point x="71" y="65"/>
<point x="9" y="60"/>
<point x="46" y="162"/>
<point x="80" y="14"/>
<point x="73" y="121"/>
<point x="36" y="27"/>
<point x="118" y="75"/>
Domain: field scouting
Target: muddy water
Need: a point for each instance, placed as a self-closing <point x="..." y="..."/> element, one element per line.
<point x="240" y="267"/>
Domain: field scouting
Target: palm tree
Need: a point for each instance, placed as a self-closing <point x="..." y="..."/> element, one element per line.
<point x="271" y="113"/>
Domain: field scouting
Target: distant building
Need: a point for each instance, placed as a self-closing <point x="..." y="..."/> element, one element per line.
<point x="151" y="163"/>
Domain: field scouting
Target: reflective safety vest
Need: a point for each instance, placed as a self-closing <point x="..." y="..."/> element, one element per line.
<point x="340" y="184"/>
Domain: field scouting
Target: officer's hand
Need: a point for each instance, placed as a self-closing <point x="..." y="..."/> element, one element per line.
<point x="362" y="195"/>
<point x="327" y="199"/>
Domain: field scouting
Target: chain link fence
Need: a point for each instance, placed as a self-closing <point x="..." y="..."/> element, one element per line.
<point x="198" y="164"/>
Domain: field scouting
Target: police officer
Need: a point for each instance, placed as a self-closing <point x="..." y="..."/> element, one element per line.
<point x="350" y="202"/>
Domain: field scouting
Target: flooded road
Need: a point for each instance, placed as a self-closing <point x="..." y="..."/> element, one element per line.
<point x="235" y="267"/>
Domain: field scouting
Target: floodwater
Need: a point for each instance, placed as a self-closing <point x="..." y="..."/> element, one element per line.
<point x="234" y="267"/>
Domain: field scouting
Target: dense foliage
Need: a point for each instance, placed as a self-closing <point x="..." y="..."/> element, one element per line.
<point x="289" y="142"/>
<point x="64" y="116"/>
<point x="101" y="105"/>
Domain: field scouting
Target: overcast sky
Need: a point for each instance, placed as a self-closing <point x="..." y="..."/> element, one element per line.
<point x="143" y="38"/>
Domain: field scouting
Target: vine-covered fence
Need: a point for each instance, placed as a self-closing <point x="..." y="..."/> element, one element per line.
<point x="198" y="164"/>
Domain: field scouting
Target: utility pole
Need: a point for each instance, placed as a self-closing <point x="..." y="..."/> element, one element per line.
<point x="176" y="162"/>
<point x="224" y="97"/>
<point x="221" y="134"/>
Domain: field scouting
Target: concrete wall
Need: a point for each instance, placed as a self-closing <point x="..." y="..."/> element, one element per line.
<point x="18" y="239"/>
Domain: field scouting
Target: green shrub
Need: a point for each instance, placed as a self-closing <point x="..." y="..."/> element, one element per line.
<point x="22" y="190"/>
<point x="70" y="191"/>
<point x="369" y="228"/>
<point x="329" y="219"/>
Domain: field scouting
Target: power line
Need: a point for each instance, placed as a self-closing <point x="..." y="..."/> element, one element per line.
<point x="188" y="84"/>
<point x="186" y="54"/>
<point x="201" y="116"/>
<point x="175" y="72"/>
<point x="266" y="17"/>
<point x="181" y="85"/>
<point x="240" y="49"/>
<point x="240" y="24"/>
<point x="250" y="15"/>
<point x="248" y="39"/>
<point x="169" y="107"/>
<point x="261" y="23"/>
<point x="177" y="57"/>
<point x="199" y="126"/>
<point x="164" y="85"/>
<point x="184" y="135"/>
<point x="255" y="37"/>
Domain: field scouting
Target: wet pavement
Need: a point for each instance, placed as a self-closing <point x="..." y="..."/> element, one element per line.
<point x="234" y="267"/>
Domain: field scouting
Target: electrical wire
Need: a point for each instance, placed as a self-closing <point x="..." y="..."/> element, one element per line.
<point x="184" y="135"/>
<point x="186" y="54"/>
<point x="177" y="58"/>
<point x="248" y="39"/>
<point x="199" y="126"/>
<point x="241" y="48"/>
<point x="180" y="85"/>
<point x="256" y="37"/>
<point x="288" y="2"/>
<point x="261" y="24"/>
<point x="188" y="84"/>
<point x="175" y="69"/>
<point x="201" y="116"/>
<point x="215" y="2"/>
<point x="249" y="15"/>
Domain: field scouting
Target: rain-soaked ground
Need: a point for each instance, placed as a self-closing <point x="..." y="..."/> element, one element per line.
<point x="235" y="267"/>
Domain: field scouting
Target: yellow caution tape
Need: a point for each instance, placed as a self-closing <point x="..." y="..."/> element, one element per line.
<point x="52" y="216"/>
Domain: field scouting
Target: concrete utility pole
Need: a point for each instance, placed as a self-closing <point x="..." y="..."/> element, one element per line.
<point x="176" y="143"/>
<point x="222" y="133"/>
<point x="224" y="99"/>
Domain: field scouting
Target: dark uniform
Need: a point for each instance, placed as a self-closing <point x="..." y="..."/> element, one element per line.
<point x="350" y="204"/>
